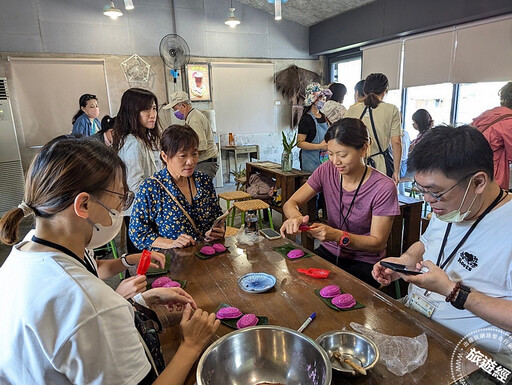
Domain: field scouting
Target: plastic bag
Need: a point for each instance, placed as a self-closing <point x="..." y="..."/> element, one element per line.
<point x="247" y="239"/>
<point x="401" y="355"/>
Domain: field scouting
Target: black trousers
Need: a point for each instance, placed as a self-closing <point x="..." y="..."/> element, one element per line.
<point x="358" y="269"/>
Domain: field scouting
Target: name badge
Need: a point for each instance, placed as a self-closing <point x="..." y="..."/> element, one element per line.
<point x="422" y="305"/>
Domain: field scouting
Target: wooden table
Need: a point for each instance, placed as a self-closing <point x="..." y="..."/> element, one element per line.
<point x="292" y="300"/>
<point x="252" y="150"/>
<point x="288" y="182"/>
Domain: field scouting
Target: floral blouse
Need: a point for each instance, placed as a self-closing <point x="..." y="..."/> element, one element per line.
<point x="155" y="214"/>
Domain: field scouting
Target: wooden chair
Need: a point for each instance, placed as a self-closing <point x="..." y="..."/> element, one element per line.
<point x="254" y="205"/>
<point x="233" y="196"/>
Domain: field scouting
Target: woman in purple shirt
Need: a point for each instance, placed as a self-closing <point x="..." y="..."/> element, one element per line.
<point x="361" y="203"/>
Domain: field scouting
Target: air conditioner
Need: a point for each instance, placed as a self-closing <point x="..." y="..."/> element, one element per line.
<point x="11" y="170"/>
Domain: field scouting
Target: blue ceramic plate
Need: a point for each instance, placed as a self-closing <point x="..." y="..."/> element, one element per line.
<point x="256" y="282"/>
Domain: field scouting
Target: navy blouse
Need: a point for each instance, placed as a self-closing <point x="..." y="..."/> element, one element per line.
<point x="156" y="215"/>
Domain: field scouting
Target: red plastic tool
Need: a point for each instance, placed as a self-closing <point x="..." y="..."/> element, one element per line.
<point x="144" y="262"/>
<point x="304" y="228"/>
<point x="315" y="273"/>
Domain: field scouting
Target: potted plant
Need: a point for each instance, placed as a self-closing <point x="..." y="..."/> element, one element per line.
<point x="286" y="156"/>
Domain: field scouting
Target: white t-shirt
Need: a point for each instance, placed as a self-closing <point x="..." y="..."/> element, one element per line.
<point x="484" y="263"/>
<point x="62" y="325"/>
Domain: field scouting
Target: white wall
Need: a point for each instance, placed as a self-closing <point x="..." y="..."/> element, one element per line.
<point x="78" y="26"/>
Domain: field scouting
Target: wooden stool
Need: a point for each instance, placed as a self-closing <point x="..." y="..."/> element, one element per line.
<point x="241" y="183"/>
<point x="230" y="231"/>
<point x="233" y="196"/>
<point x="254" y="205"/>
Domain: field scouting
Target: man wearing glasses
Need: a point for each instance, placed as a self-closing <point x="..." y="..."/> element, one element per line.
<point x="465" y="255"/>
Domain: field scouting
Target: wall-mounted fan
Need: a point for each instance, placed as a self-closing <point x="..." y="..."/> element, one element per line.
<point x="175" y="53"/>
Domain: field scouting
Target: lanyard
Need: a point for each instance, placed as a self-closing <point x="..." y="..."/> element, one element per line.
<point x="345" y="217"/>
<point x="466" y="236"/>
<point x="65" y="250"/>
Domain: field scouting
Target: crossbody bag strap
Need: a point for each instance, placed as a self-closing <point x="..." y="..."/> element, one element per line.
<point x="502" y="117"/>
<point x="179" y="205"/>
<point x="373" y="129"/>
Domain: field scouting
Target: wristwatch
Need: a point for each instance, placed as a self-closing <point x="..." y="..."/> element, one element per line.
<point x="345" y="239"/>
<point x="462" y="296"/>
<point x="125" y="262"/>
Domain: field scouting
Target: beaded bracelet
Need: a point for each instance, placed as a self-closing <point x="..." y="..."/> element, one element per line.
<point x="450" y="297"/>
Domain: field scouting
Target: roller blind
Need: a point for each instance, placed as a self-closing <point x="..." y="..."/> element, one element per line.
<point x="483" y="53"/>
<point x="384" y="58"/>
<point x="428" y="59"/>
<point x="243" y="97"/>
<point x="48" y="89"/>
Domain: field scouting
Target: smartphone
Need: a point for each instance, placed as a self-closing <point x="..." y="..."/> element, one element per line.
<point x="400" y="268"/>
<point x="270" y="234"/>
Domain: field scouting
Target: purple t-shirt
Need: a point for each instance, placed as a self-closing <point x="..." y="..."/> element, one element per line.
<point x="376" y="197"/>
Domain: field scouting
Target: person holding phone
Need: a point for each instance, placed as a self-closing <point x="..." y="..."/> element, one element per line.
<point x="178" y="205"/>
<point x="64" y="324"/>
<point x="466" y="251"/>
<point x="361" y="203"/>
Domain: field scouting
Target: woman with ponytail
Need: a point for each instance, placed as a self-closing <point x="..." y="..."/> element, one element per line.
<point x="383" y="122"/>
<point x="64" y="325"/>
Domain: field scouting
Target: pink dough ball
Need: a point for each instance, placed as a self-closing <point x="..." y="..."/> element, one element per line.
<point x="172" y="284"/>
<point x="207" y="250"/>
<point x="219" y="247"/>
<point x="330" y="291"/>
<point x="228" y="312"/>
<point x="297" y="253"/>
<point x="246" y="321"/>
<point x="159" y="282"/>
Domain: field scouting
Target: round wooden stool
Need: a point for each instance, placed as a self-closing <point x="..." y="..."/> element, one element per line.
<point x="233" y="196"/>
<point x="254" y="205"/>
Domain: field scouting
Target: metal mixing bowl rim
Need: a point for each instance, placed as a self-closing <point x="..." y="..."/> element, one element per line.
<point x="321" y="350"/>
<point x="367" y="339"/>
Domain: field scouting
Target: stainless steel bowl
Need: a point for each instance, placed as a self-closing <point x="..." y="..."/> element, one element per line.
<point x="354" y="346"/>
<point x="264" y="354"/>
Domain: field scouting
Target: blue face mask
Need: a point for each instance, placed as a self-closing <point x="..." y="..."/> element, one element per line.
<point x="320" y="104"/>
<point x="179" y="115"/>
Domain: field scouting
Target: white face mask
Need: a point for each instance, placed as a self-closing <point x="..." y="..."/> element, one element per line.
<point x="104" y="234"/>
<point x="455" y="216"/>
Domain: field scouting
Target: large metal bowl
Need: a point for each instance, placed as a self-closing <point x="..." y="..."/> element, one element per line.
<point x="354" y="346"/>
<point x="264" y="354"/>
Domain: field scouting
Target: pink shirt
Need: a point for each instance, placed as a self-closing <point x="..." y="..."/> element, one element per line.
<point x="376" y="197"/>
<point x="499" y="136"/>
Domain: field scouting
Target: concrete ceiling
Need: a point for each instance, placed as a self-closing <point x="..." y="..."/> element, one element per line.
<point x="309" y="12"/>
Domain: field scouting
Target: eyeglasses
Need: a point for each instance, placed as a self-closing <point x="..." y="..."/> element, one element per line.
<point x="416" y="187"/>
<point x="127" y="198"/>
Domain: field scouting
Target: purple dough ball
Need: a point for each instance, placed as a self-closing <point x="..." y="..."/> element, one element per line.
<point x="207" y="250"/>
<point x="330" y="291"/>
<point x="172" y="284"/>
<point x="159" y="282"/>
<point x="344" y="301"/>
<point x="246" y="321"/>
<point x="296" y="253"/>
<point x="228" y="312"/>
<point x="219" y="247"/>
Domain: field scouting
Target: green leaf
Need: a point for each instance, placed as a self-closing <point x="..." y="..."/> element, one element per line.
<point x="285" y="249"/>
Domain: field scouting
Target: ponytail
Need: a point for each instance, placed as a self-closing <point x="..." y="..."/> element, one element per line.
<point x="77" y="115"/>
<point x="9" y="225"/>
<point x="374" y="84"/>
<point x="371" y="100"/>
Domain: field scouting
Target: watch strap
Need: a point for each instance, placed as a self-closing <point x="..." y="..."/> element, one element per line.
<point x="461" y="298"/>
<point x="125" y="262"/>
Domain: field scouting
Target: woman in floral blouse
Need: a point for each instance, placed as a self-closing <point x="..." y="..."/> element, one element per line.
<point x="178" y="205"/>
